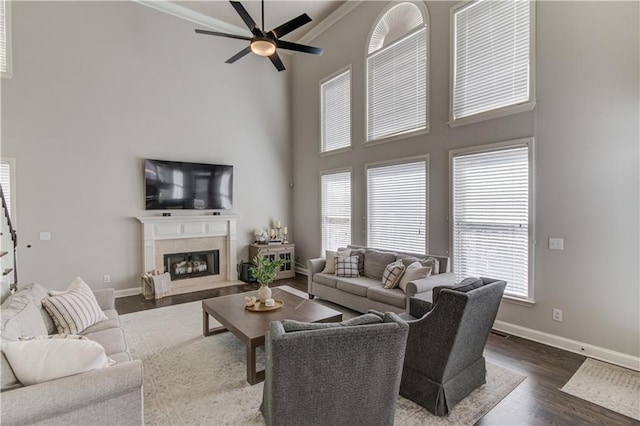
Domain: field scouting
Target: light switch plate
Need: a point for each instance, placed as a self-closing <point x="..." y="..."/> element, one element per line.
<point x="45" y="236"/>
<point x="556" y="243"/>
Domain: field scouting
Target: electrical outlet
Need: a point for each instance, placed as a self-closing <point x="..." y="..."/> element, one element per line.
<point x="45" y="236"/>
<point x="557" y="314"/>
<point x="106" y="279"/>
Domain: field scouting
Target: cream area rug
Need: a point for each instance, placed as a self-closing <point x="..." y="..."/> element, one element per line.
<point x="612" y="387"/>
<point x="194" y="380"/>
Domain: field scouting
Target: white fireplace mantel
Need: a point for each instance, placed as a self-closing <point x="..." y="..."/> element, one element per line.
<point x="180" y="227"/>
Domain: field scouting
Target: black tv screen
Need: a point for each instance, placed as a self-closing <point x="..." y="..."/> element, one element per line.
<point x="177" y="185"/>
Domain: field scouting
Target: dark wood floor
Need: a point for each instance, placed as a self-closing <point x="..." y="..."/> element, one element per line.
<point x="536" y="401"/>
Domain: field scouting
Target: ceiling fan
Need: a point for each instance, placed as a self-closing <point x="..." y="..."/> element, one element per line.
<point x="266" y="43"/>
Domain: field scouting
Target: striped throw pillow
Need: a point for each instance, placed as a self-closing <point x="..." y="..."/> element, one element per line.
<point x="75" y="310"/>
<point x="392" y="274"/>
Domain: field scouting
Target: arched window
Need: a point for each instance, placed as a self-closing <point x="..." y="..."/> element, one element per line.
<point x="397" y="80"/>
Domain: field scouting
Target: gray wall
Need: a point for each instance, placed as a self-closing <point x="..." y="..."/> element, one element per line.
<point x="99" y="86"/>
<point x="587" y="178"/>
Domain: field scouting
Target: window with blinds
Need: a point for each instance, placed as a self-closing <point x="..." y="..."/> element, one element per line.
<point x="397" y="73"/>
<point x="397" y="206"/>
<point x="4" y="37"/>
<point x="336" y="209"/>
<point x="491" y="42"/>
<point x="491" y="216"/>
<point x="335" y="98"/>
<point x="6" y="180"/>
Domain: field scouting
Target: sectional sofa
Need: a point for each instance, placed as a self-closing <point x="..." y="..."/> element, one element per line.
<point x="111" y="395"/>
<point x="367" y="291"/>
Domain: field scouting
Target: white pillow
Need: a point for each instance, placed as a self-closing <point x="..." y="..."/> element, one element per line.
<point x="75" y="310"/>
<point x="415" y="271"/>
<point x="40" y="360"/>
<point x="330" y="261"/>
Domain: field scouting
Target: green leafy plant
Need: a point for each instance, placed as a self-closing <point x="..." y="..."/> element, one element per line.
<point x="265" y="269"/>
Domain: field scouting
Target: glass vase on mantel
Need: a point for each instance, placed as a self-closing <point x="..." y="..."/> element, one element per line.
<point x="264" y="293"/>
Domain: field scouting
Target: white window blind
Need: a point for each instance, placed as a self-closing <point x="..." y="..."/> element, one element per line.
<point x="491" y="56"/>
<point x="3" y="37"/>
<point x="336" y="112"/>
<point x="397" y="87"/>
<point x="397" y="206"/>
<point x="491" y="217"/>
<point x="336" y="210"/>
<point x="7" y="185"/>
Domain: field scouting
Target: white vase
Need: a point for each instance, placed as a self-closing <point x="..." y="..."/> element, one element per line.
<point x="264" y="293"/>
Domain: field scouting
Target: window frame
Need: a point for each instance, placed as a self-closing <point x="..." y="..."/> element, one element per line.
<point x="12" y="196"/>
<point x="393" y="162"/>
<point x="427" y="25"/>
<point x="492" y="147"/>
<point x="7" y="23"/>
<point x="528" y="105"/>
<point x="349" y="69"/>
<point x="330" y="172"/>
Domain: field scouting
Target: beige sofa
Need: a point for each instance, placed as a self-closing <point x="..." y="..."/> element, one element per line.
<point x="367" y="292"/>
<point x="112" y="395"/>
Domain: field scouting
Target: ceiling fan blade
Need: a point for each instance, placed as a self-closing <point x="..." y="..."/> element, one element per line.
<point x="298" y="47"/>
<point x="248" y="20"/>
<point x="277" y="62"/>
<point x="291" y="25"/>
<point x="214" y="33"/>
<point x="239" y="55"/>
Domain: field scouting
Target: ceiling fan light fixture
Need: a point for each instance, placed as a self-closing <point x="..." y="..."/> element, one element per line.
<point x="263" y="47"/>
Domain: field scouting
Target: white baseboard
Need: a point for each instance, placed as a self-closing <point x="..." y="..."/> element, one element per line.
<point x="596" y="352"/>
<point x="127" y="292"/>
<point x="302" y="271"/>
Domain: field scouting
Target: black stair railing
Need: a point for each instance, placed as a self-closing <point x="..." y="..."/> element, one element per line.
<point x="14" y="239"/>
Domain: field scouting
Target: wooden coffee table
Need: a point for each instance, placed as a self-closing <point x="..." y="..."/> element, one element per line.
<point x="251" y="327"/>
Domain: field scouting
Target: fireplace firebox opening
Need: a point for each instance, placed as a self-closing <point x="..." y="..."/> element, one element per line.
<point x="192" y="264"/>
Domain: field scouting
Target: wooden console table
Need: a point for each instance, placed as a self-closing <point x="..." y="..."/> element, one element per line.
<point x="286" y="252"/>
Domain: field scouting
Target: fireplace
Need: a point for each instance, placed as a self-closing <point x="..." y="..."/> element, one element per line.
<point x="192" y="264"/>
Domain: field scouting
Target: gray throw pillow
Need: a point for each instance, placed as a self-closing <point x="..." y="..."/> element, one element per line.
<point x="292" y="325"/>
<point x="375" y="263"/>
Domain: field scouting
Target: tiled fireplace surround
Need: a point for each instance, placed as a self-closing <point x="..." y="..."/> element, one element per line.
<point x="177" y="234"/>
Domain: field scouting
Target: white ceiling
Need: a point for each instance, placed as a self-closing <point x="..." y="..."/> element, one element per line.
<point x="276" y="12"/>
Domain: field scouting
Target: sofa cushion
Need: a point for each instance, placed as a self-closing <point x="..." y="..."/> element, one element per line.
<point x="120" y="357"/>
<point x="20" y="317"/>
<point x="328" y="280"/>
<point x="392" y="274"/>
<point x="390" y="296"/>
<point x="424" y="261"/>
<point x="330" y="261"/>
<point x="40" y="360"/>
<point x="357" y="286"/>
<point x="75" y="310"/>
<point x="111" y="339"/>
<point x="415" y="271"/>
<point x="112" y="321"/>
<point x="375" y="262"/>
<point x="347" y="266"/>
<point x="9" y="379"/>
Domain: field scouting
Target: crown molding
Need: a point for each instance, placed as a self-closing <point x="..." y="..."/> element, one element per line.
<point x="190" y="15"/>
<point x="328" y="22"/>
<point x="214" y="24"/>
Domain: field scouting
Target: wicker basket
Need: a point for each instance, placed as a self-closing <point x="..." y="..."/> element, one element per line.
<point x="156" y="286"/>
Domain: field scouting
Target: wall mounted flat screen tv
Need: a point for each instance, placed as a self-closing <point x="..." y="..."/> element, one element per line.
<point x="177" y="185"/>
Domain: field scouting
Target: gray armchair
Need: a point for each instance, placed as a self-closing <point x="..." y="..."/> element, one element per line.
<point x="334" y="373"/>
<point x="444" y="361"/>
